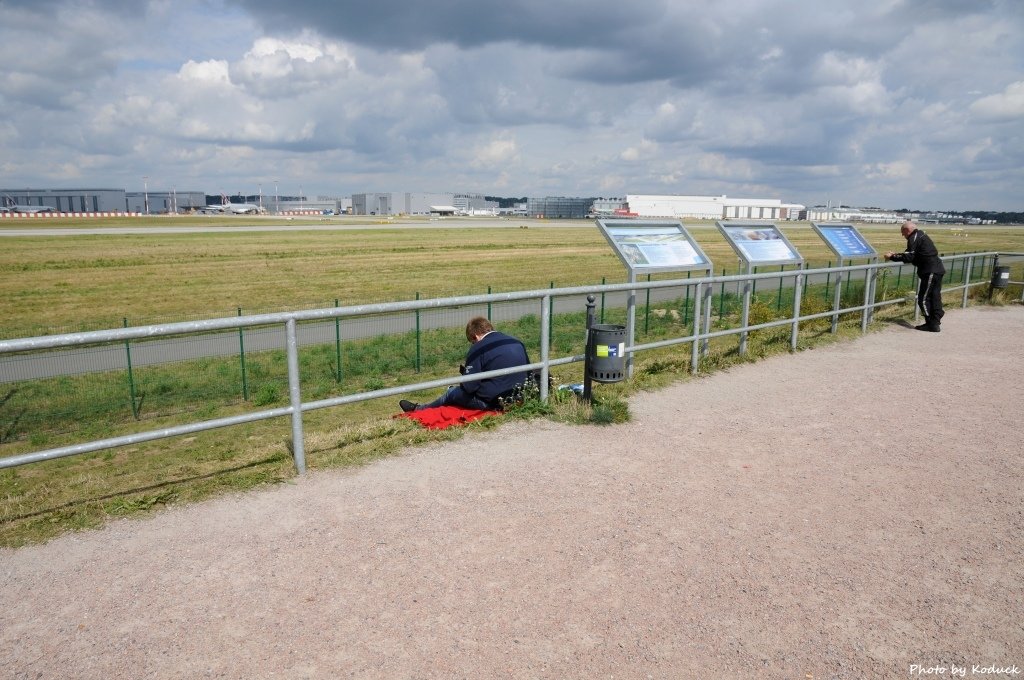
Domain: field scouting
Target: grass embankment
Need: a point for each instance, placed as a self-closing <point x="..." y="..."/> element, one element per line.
<point x="43" y="500"/>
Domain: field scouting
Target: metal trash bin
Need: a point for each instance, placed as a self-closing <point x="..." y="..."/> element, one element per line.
<point x="1000" y="277"/>
<point x="607" y="350"/>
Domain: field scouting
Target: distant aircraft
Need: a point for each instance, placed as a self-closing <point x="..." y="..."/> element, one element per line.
<point x="32" y="209"/>
<point x="243" y="208"/>
<point x="232" y="208"/>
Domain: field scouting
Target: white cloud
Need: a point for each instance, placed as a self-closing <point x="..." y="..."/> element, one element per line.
<point x="645" y="150"/>
<point x="500" y="150"/>
<point x="211" y="72"/>
<point x="837" y="69"/>
<point x="889" y="171"/>
<point x="1007" y="105"/>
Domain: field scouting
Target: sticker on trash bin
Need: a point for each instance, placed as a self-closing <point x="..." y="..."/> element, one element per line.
<point x="611" y="350"/>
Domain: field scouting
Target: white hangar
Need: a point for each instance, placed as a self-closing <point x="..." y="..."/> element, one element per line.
<point x="712" y="207"/>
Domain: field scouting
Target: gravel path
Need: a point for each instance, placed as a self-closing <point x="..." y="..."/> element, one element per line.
<point x="846" y="512"/>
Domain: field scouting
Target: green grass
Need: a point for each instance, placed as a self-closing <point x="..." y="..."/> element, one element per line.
<point x="74" y="283"/>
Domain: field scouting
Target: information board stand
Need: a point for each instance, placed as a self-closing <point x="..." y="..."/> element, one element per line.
<point x="847" y="244"/>
<point x="757" y="244"/>
<point x="654" y="247"/>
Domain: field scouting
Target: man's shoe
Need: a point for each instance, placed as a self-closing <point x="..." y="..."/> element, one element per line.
<point x="408" y="405"/>
<point x="927" y="327"/>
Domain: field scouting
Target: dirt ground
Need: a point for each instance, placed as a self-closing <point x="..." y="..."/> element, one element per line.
<point x="856" y="511"/>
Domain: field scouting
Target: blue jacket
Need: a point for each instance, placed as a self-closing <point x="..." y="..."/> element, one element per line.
<point x="492" y="352"/>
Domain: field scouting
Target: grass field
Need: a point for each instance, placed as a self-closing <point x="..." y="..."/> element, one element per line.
<point x="85" y="282"/>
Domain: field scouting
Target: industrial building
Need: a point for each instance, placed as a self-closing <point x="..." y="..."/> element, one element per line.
<point x="712" y="207"/>
<point x="66" y="200"/>
<point x="559" y="207"/>
<point x="419" y="203"/>
<point x="163" y="202"/>
<point x="398" y="203"/>
<point x="609" y="207"/>
<point x="474" y="204"/>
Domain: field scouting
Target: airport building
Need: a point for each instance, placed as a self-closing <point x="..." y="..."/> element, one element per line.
<point x="398" y="203"/>
<point x="474" y="204"/>
<point x="822" y="213"/>
<point x="559" y="207"/>
<point x="713" y="207"/>
<point x="163" y="202"/>
<point x="609" y="207"/>
<point x="66" y="200"/>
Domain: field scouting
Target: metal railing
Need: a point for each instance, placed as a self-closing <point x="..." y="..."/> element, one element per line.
<point x="701" y="334"/>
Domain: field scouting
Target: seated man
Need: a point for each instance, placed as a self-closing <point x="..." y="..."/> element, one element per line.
<point x="490" y="351"/>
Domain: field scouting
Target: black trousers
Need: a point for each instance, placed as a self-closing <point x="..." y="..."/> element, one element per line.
<point x="929" y="298"/>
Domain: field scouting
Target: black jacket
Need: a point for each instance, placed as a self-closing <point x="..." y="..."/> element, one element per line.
<point x="921" y="253"/>
<point x="494" y="351"/>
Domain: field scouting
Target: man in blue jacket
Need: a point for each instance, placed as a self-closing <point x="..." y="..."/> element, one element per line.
<point x="923" y="254"/>
<point x="490" y="351"/>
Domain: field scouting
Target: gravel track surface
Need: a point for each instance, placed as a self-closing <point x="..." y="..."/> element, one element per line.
<point x="844" y="512"/>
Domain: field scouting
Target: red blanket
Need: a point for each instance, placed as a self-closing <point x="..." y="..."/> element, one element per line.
<point x="441" y="417"/>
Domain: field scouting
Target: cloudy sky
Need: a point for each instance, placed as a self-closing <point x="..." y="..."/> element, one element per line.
<point x="891" y="103"/>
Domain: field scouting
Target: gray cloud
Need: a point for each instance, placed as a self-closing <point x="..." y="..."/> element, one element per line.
<point x="913" y="101"/>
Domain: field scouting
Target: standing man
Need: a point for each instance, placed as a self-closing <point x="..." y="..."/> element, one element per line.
<point x="490" y="351"/>
<point x="921" y="253"/>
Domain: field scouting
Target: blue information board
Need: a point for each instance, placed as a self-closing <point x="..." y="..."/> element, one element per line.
<point x="654" y="246"/>
<point x="844" y="240"/>
<point x="759" y="243"/>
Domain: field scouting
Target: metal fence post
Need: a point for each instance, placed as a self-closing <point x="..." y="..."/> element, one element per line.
<point x="709" y="297"/>
<point x="872" y="280"/>
<point x="748" y="291"/>
<point x="647" y="308"/>
<point x="241" y="355"/>
<point x="545" y="344"/>
<point x="337" y="344"/>
<point x="131" y="374"/>
<point x="489" y="304"/>
<point x="686" y="304"/>
<point x="967" y="276"/>
<point x="602" y="300"/>
<point x="778" y="302"/>
<point x="630" y="323"/>
<point x="721" y="298"/>
<point x="695" y="345"/>
<point x="417" y="335"/>
<point x="866" y="312"/>
<point x="837" y="296"/>
<point x="295" y="397"/>
<point x="797" y="298"/>
<point x="551" y="312"/>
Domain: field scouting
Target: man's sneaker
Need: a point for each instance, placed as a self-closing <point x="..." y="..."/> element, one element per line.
<point x="408" y="405"/>
<point x="926" y="327"/>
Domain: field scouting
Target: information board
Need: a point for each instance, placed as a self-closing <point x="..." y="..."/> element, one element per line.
<point x="650" y="246"/>
<point x="844" y="240"/>
<point x="758" y="243"/>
